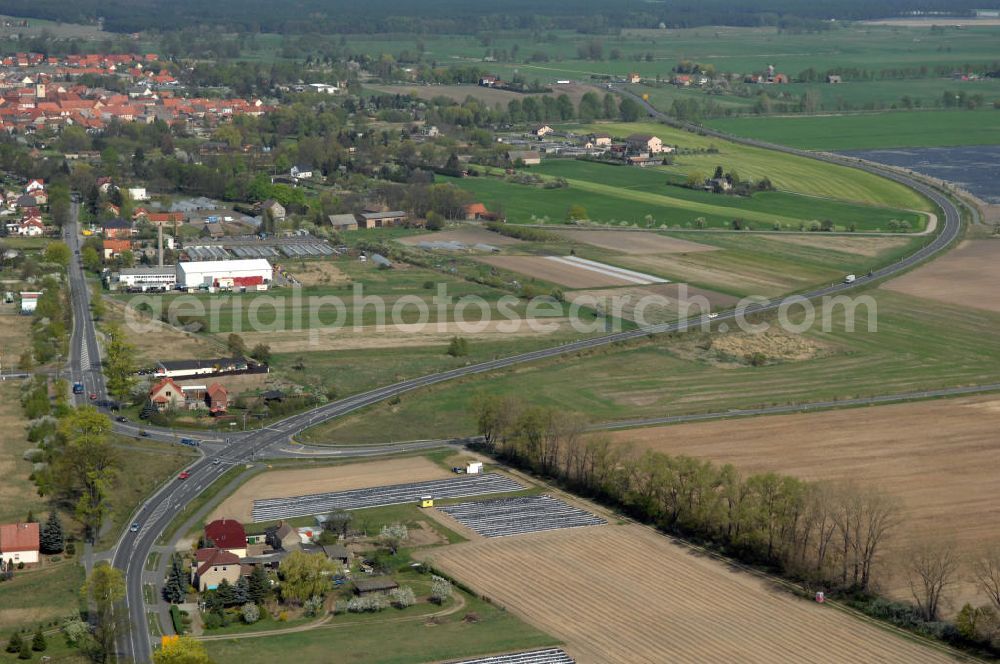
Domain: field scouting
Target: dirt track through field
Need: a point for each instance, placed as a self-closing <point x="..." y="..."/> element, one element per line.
<point x="626" y="594"/>
<point x="282" y="483"/>
<point x="967" y="276"/>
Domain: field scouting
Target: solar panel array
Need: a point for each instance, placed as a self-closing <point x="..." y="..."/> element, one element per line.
<point x="318" y="503"/>
<point x="515" y="516"/>
<point x="547" y="656"/>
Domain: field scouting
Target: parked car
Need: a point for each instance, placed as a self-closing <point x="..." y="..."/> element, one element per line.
<point x="121" y="419"/>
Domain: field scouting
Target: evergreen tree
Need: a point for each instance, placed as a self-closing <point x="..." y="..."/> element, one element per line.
<point x="174" y="588"/>
<point x="226" y="593"/>
<point x="14" y="642"/>
<point x="25" y="650"/>
<point x="52" y="539"/>
<point x="38" y="643"/>
<point x="257" y="585"/>
<point x="241" y="592"/>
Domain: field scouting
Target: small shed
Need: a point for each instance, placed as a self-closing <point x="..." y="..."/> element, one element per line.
<point x="375" y="585"/>
<point x="474" y="468"/>
<point x="427" y="501"/>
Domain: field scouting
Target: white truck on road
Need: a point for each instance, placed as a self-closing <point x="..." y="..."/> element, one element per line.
<point x="849" y="279"/>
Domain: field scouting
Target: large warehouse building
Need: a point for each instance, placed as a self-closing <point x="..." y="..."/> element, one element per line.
<point x="251" y="274"/>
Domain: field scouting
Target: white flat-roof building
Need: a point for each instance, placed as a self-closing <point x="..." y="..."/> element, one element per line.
<point x="254" y="273"/>
<point x="148" y="278"/>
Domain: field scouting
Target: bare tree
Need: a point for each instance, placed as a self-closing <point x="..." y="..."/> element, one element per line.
<point x="930" y="568"/>
<point x="878" y="514"/>
<point x="986" y="572"/>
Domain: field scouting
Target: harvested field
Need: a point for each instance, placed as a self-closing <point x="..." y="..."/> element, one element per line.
<point x="410" y="335"/>
<point x="516" y="516"/>
<point x="967" y="276"/>
<point x="284" y="483"/>
<point x="706" y="611"/>
<point x="567" y="272"/>
<point x="725" y="273"/>
<point x="380" y="496"/>
<point x="861" y="246"/>
<point x="630" y="242"/>
<point x="660" y="303"/>
<point x="939" y="458"/>
<point x="466" y="235"/>
<point x="18" y="494"/>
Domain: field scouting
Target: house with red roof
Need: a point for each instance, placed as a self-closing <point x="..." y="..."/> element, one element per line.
<point x="166" y="394"/>
<point x="113" y="248"/>
<point x="213" y="565"/>
<point x="19" y="543"/>
<point x="217" y="398"/>
<point x="227" y="534"/>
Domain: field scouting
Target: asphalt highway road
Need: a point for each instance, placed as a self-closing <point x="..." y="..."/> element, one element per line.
<point x="156" y="513"/>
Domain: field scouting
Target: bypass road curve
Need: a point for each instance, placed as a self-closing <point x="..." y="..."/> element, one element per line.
<point x="156" y="513"/>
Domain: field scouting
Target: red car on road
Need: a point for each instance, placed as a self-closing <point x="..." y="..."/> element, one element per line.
<point x="93" y="396"/>
<point x="184" y="475"/>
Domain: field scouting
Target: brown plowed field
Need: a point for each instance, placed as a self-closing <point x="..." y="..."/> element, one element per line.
<point x="626" y="594"/>
<point x="635" y="242"/>
<point x="967" y="276"/>
<point x="563" y="274"/>
<point x="940" y="458"/>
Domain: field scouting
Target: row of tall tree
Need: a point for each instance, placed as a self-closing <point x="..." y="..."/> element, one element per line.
<point x="828" y="533"/>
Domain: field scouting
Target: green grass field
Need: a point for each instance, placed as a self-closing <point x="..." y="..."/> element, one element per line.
<point x="918" y="344"/>
<point x="624" y="195"/>
<point x="788" y="173"/>
<point x="871" y="131"/>
<point x="412" y="641"/>
<point x="728" y="48"/>
<point x="39" y="596"/>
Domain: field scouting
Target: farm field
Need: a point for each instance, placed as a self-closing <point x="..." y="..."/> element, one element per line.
<point x="653" y="304"/>
<point x="918" y="344"/>
<point x="561" y="271"/>
<point x="488" y="96"/>
<point x="470" y="235"/>
<point x="727" y="48"/>
<point x="635" y="243"/>
<point x="967" y="276"/>
<point x="649" y="197"/>
<point x="343" y="477"/>
<point x="788" y="173"/>
<point x="899" y="129"/>
<point x="706" y="610"/>
<point x="937" y="457"/>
